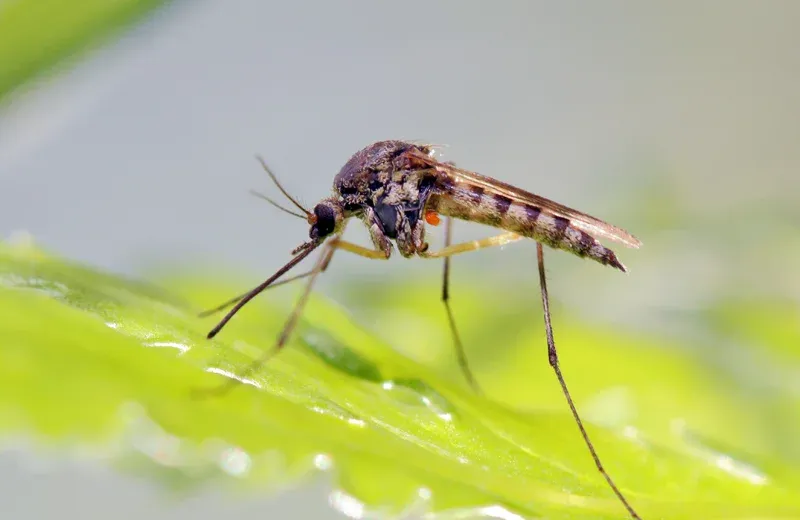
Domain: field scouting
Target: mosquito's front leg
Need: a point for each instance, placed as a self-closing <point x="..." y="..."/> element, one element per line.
<point x="366" y="252"/>
<point x="337" y="243"/>
<point x="331" y="247"/>
<point x="473" y="245"/>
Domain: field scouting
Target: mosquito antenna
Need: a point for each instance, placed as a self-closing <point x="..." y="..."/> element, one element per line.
<point x="553" y="357"/>
<point x="278" y="184"/>
<point x="264" y="197"/>
<point x="241" y="301"/>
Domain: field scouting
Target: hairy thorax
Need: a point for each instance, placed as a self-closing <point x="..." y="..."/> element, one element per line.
<point x="384" y="186"/>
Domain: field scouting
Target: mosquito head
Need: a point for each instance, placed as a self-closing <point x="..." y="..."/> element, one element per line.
<point x="326" y="219"/>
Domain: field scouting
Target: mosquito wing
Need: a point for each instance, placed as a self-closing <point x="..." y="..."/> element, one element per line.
<point x="591" y="225"/>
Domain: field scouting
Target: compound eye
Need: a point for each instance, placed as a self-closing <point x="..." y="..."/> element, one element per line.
<point x="326" y="219"/>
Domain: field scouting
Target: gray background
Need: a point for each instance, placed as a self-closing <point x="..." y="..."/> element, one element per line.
<point x="143" y="154"/>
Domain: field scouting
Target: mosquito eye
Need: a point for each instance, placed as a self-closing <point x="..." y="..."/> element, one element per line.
<point x="326" y="219"/>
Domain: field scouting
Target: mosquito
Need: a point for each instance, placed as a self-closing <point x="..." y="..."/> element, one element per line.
<point x="397" y="187"/>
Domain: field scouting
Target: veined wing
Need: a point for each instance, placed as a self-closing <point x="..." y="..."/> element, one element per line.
<point x="591" y="225"/>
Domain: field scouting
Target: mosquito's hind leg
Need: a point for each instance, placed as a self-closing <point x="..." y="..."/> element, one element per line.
<point x="462" y="357"/>
<point x="446" y="252"/>
<point x="552" y="355"/>
<point x="473" y="245"/>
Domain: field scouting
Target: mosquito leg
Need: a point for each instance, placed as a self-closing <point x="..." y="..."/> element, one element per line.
<point x="232" y="301"/>
<point x="552" y="355"/>
<point x="291" y="322"/>
<point x="360" y="250"/>
<point x="327" y="256"/>
<point x="285" y="334"/>
<point x="462" y="357"/>
<point x="446" y="252"/>
<point x="473" y="245"/>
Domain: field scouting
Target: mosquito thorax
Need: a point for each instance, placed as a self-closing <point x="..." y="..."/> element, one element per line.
<point x="325" y="219"/>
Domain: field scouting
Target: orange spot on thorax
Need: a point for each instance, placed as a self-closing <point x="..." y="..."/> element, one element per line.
<point x="432" y="218"/>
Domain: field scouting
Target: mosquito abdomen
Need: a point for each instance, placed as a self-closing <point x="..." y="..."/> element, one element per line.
<point x="472" y="202"/>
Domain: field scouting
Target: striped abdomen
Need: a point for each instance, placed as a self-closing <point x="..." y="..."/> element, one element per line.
<point x="472" y="202"/>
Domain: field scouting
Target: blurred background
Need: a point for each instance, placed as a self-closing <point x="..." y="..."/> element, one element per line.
<point x="678" y="121"/>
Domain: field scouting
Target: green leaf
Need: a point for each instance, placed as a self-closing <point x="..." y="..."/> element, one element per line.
<point x="35" y="35"/>
<point x="96" y="362"/>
